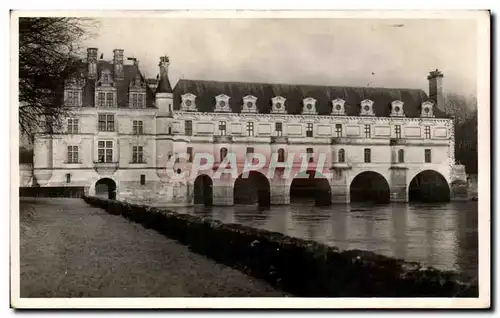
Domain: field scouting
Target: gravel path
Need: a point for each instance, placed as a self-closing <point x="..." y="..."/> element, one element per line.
<point x="70" y="249"/>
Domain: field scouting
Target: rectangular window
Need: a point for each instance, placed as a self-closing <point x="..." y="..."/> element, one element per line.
<point x="250" y="129"/>
<point x="109" y="99"/>
<point x="169" y="130"/>
<point x="368" y="131"/>
<point x="137" y="127"/>
<point x="279" y="129"/>
<point x="310" y="154"/>
<point x="72" y="126"/>
<point x="222" y="128"/>
<point x="106" y="122"/>
<point x="428" y="156"/>
<point x="249" y="150"/>
<point x="68" y="177"/>
<point x="190" y="154"/>
<point x="101" y="99"/>
<point x="188" y="127"/>
<point x="137" y="154"/>
<point x="105" y="151"/>
<point x="105" y="99"/>
<point x="338" y="130"/>
<point x="397" y="130"/>
<point x="309" y="130"/>
<point x="143" y="179"/>
<point x="137" y="100"/>
<point x="368" y="155"/>
<point x="72" y="98"/>
<point x="427" y="132"/>
<point x="72" y="154"/>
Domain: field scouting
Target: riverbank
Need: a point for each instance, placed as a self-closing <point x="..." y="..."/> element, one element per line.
<point x="301" y="267"/>
<point x="71" y="249"/>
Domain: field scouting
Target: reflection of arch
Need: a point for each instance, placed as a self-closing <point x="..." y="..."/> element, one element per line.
<point x="371" y="187"/>
<point x="251" y="189"/>
<point x="341" y="155"/>
<point x="203" y="186"/>
<point x="429" y="186"/>
<point x="306" y="186"/>
<point x="106" y="187"/>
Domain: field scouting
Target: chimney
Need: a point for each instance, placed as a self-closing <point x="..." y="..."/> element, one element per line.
<point x="164" y="83"/>
<point x="92" y="62"/>
<point x="118" y="63"/>
<point x="436" y="89"/>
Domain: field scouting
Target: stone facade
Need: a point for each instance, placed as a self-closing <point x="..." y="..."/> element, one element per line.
<point x="404" y="136"/>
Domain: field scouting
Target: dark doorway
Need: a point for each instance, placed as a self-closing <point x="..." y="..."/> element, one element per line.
<point x="429" y="186"/>
<point x="307" y="187"/>
<point x="203" y="190"/>
<point x="369" y="187"/>
<point x="106" y="188"/>
<point x="252" y="189"/>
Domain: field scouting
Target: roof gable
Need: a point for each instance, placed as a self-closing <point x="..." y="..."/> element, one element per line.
<point x="294" y="95"/>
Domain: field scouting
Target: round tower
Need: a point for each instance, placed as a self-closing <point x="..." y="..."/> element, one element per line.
<point x="164" y="102"/>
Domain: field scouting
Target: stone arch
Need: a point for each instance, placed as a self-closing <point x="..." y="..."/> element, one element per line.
<point x="310" y="185"/>
<point x="105" y="187"/>
<point x="369" y="186"/>
<point x="203" y="190"/>
<point x="252" y="188"/>
<point x="429" y="186"/>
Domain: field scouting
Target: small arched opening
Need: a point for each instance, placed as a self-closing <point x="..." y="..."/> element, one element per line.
<point x="203" y="190"/>
<point x="105" y="188"/>
<point x="429" y="186"/>
<point x="307" y="187"/>
<point x="341" y="156"/>
<point x="253" y="188"/>
<point x="369" y="186"/>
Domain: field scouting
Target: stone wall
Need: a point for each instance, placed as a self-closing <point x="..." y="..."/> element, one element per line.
<point x="300" y="267"/>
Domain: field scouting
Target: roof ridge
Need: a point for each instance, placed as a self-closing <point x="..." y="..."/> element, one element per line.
<point x="289" y="84"/>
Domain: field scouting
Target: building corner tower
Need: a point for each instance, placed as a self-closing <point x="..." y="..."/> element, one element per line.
<point x="164" y="102"/>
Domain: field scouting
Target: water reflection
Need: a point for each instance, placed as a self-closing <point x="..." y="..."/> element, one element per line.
<point x="440" y="235"/>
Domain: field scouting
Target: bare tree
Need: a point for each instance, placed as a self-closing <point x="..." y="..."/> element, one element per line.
<point x="464" y="110"/>
<point x="48" y="54"/>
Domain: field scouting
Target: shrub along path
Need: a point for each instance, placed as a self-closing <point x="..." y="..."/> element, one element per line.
<point x="71" y="249"/>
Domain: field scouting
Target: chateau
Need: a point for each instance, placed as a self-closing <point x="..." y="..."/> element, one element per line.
<point x="380" y="144"/>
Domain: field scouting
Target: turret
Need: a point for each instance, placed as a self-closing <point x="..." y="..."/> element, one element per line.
<point x="164" y="103"/>
<point x="164" y="93"/>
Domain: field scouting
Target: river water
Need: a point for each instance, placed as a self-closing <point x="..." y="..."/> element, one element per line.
<point x="444" y="236"/>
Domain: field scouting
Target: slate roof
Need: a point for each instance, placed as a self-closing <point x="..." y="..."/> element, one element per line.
<point x="122" y="85"/>
<point x="206" y="91"/>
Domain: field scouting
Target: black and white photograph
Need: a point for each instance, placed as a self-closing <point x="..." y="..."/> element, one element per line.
<point x="250" y="159"/>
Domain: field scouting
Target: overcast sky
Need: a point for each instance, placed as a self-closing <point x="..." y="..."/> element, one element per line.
<point x="350" y="52"/>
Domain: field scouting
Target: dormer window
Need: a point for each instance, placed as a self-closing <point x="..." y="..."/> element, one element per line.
<point x="105" y="91"/>
<point x="222" y="103"/>
<point x="188" y="102"/>
<point x="249" y="104"/>
<point x="367" y="108"/>
<point x="309" y="107"/>
<point x="278" y="105"/>
<point x="73" y="97"/>
<point x="73" y="92"/>
<point x="137" y="93"/>
<point x="427" y="109"/>
<point x="397" y="108"/>
<point x="338" y="107"/>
